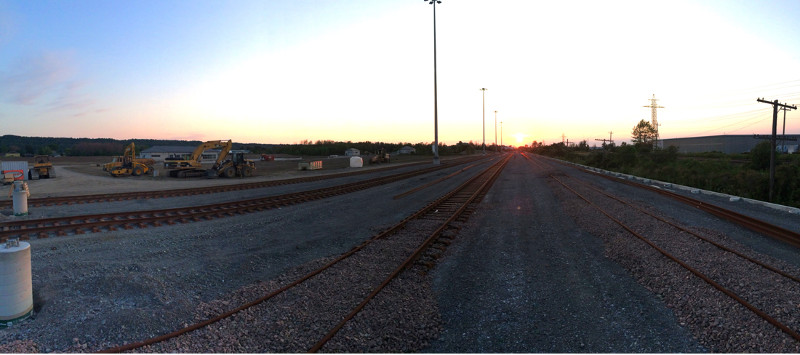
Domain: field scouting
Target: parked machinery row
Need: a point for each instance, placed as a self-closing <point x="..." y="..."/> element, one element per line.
<point x="228" y="164"/>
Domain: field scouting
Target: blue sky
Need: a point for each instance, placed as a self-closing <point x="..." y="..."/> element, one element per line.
<point x="284" y="71"/>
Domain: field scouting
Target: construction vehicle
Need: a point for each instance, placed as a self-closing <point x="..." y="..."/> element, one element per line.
<point x="127" y="163"/>
<point x="226" y="165"/>
<point x="42" y="168"/>
<point x="381" y="156"/>
<point x="232" y="164"/>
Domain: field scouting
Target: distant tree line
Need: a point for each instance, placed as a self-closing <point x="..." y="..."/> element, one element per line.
<point x="329" y="147"/>
<point x="29" y="146"/>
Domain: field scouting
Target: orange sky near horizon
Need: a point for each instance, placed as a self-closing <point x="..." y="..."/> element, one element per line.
<point x="359" y="70"/>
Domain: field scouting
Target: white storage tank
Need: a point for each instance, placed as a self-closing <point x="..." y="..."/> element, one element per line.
<point x="16" y="287"/>
<point x="356" y="162"/>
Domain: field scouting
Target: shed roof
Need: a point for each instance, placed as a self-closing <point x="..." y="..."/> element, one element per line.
<point x="169" y="149"/>
<point x="174" y="149"/>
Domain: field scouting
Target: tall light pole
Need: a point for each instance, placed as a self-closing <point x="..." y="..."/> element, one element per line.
<point x="496" y="148"/>
<point x="501" y="133"/>
<point x="483" y="90"/>
<point x="435" y="101"/>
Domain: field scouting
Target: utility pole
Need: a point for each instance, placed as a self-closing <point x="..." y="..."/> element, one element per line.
<point x="483" y="90"/>
<point x="606" y="140"/>
<point x="501" y="133"/>
<point x="562" y="138"/>
<point x="496" y="147"/>
<point x="775" y="106"/>
<point x="653" y="119"/>
<point x="783" y="139"/>
<point x="435" y="99"/>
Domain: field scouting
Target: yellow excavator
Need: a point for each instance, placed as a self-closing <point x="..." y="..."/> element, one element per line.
<point x="224" y="166"/>
<point x="127" y="164"/>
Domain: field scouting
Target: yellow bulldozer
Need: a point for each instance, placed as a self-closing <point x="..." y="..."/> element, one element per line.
<point x="127" y="164"/>
<point x="42" y="168"/>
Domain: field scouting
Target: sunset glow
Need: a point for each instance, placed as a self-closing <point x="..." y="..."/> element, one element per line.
<point x="520" y="137"/>
<point x="281" y="72"/>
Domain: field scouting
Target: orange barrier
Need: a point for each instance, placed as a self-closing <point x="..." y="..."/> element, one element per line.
<point x="19" y="174"/>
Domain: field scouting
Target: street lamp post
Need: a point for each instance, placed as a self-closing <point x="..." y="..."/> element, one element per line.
<point x="501" y="133"/>
<point x="496" y="148"/>
<point x="435" y="101"/>
<point x="483" y="90"/>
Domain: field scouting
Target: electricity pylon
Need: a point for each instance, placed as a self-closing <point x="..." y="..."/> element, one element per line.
<point x="653" y="119"/>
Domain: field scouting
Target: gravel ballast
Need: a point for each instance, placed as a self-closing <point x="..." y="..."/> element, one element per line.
<point x="534" y="269"/>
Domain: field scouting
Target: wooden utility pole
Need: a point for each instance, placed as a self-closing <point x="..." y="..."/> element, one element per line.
<point x="775" y="106"/>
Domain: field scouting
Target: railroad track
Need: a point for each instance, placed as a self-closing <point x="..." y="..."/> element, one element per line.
<point x="751" y="223"/>
<point x="702" y="256"/>
<point x="122" y="196"/>
<point x="348" y="288"/>
<point x="94" y="223"/>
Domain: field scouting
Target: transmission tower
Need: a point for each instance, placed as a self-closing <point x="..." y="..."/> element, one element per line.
<point x="606" y="140"/>
<point x="653" y="119"/>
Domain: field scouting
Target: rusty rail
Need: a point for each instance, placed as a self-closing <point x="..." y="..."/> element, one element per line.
<point x="689" y="268"/>
<point x="122" y="196"/>
<point x="60" y="226"/>
<point x="475" y="187"/>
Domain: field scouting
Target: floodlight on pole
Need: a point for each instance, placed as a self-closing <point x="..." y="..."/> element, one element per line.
<point x="483" y="90"/>
<point x="496" y="148"/>
<point x="435" y="101"/>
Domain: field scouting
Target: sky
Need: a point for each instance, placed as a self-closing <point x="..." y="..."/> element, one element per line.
<point x="269" y="71"/>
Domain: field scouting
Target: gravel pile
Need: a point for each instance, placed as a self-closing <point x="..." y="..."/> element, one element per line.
<point x="716" y="320"/>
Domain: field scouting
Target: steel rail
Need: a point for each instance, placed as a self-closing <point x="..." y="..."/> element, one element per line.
<point x="748" y="222"/>
<point x="142" y="219"/>
<point x="694" y="271"/>
<point x="698" y="236"/>
<point x="425" y="210"/>
<point x="483" y="182"/>
<point x="137" y="195"/>
<point x="420" y="188"/>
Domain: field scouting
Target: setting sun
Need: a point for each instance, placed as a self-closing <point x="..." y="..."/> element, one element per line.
<point x="520" y="138"/>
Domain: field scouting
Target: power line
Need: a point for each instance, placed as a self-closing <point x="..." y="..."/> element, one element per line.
<point x="775" y="107"/>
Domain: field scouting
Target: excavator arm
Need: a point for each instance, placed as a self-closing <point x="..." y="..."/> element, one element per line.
<point x="223" y="154"/>
<point x="198" y="152"/>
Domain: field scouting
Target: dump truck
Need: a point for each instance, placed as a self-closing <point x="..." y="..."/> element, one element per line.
<point x="42" y="168"/>
<point x="127" y="164"/>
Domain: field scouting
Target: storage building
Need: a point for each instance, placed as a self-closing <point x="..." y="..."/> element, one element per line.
<point x="164" y="152"/>
<point x="728" y="144"/>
